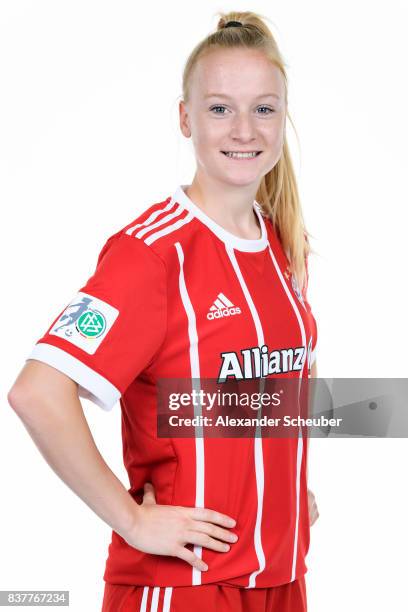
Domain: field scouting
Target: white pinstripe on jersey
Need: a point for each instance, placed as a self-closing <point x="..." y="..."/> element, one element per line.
<point x="300" y="438"/>
<point x="259" y="464"/>
<point x="195" y="375"/>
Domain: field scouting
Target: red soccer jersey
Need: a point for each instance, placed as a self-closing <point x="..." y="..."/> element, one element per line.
<point x="174" y="295"/>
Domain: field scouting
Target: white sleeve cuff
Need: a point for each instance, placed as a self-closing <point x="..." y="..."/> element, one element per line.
<point x="91" y="385"/>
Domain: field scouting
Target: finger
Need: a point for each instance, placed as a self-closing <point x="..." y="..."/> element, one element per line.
<point x="310" y="498"/>
<point x="188" y="555"/>
<point x="149" y="496"/>
<point x="314" y="516"/>
<point x="214" y="531"/>
<point x="202" y="539"/>
<point x="211" y="516"/>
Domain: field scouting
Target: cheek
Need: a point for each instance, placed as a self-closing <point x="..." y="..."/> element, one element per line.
<point x="208" y="138"/>
<point x="275" y="136"/>
<point x="274" y="132"/>
<point x="275" y="143"/>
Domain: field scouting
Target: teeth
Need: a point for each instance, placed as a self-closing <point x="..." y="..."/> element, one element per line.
<point x="241" y="155"/>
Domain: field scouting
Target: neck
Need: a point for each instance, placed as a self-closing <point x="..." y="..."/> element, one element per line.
<point x="232" y="207"/>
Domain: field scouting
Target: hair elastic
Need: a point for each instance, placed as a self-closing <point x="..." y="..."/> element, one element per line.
<point x="233" y="24"/>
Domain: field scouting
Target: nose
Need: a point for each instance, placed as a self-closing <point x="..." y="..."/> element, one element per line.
<point x="243" y="128"/>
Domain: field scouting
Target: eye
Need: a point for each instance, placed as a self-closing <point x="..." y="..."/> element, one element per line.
<point x="271" y="110"/>
<point x="218" y="106"/>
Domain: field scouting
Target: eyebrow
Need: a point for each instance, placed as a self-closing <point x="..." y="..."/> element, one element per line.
<point x="220" y="95"/>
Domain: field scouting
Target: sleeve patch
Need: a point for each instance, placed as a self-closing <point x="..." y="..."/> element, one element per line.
<point x="85" y="322"/>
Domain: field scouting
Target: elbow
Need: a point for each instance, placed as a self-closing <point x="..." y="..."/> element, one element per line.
<point x="32" y="385"/>
<point x="40" y="391"/>
<point x="13" y="397"/>
<point x="25" y="392"/>
<point x="18" y="398"/>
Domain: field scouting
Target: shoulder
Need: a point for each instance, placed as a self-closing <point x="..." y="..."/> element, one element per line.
<point x="149" y="234"/>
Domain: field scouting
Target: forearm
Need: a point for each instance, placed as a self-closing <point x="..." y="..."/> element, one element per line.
<point x="60" y="431"/>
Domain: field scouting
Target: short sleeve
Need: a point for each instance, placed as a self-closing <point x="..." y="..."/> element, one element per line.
<point x="113" y="327"/>
<point x="312" y="320"/>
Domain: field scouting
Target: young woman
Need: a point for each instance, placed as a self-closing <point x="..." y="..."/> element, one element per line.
<point x="208" y="284"/>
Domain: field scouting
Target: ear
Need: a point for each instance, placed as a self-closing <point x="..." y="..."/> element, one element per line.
<point x="184" y="119"/>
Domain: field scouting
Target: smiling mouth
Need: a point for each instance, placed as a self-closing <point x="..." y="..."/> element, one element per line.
<point x="241" y="154"/>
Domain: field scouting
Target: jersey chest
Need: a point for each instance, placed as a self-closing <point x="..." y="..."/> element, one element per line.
<point x="232" y="314"/>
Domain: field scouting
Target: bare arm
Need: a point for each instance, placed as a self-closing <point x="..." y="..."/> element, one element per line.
<point x="47" y="402"/>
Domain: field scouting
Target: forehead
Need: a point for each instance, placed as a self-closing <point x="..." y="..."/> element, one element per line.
<point x="243" y="72"/>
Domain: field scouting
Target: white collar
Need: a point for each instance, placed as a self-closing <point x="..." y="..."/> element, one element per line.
<point x="241" y="244"/>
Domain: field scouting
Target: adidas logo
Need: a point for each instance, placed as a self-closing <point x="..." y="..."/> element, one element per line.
<point x="222" y="307"/>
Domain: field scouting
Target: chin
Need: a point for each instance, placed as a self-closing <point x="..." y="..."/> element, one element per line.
<point x="242" y="181"/>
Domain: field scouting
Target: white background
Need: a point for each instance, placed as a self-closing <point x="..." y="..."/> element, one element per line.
<point x="90" y="138"/>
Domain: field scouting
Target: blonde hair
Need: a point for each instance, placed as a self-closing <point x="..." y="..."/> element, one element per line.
<point x="277" y="193"/>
